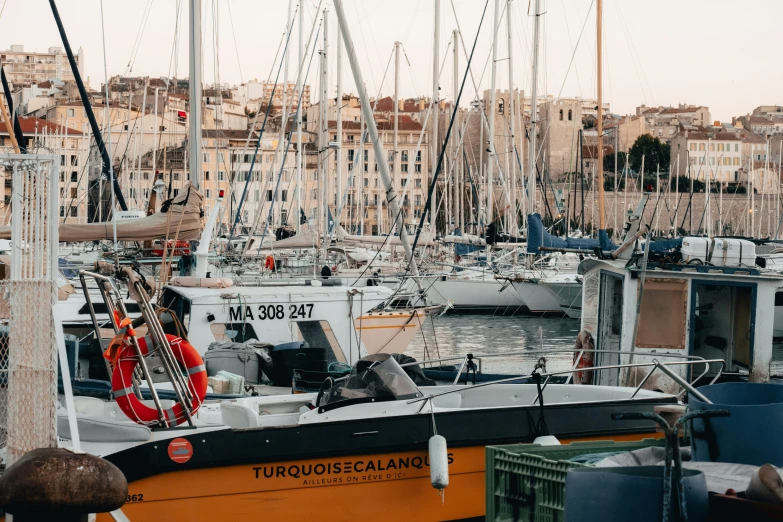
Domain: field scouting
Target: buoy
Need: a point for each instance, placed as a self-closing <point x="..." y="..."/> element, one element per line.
<point x="547" y="440"/>
<point x="439" y="462"/>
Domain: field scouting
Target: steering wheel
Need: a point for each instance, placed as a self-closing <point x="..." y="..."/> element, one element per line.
<point x="322" y="389"/>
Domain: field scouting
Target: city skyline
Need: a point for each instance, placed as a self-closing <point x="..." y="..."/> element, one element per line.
<point x="650" y="56"/>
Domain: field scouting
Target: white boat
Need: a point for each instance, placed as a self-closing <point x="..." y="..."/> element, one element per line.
<point x="567" y="289"/>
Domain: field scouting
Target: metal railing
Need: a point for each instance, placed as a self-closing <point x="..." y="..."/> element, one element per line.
<point x="112" y="299"/>
<point x="689" y="360"/>
<point x="655" y="364"/>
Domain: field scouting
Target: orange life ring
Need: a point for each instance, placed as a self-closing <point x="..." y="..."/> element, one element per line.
<point x="584" y="341"/>
<point x="270" y="263"/>
<point x="122" y="384"/>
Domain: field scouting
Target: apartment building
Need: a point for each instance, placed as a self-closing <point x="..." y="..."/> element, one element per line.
<point x="25" y="67"/>
<point x="72" y="146"/>
<point x="664" y="122"/>
<point x="707" y="153"/>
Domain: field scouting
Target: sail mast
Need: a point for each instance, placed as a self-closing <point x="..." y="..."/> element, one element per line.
<point x="372" y="129"/>
<point x="531" y="157"/>
<point x="600" y="109"/>
<point x="194" y="94"/>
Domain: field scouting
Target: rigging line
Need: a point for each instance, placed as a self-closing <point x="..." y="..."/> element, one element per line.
<point x="571" y="43"/>
<point x="234" y="34"/>
<point x="287" y="36"/>
<point x="448" y="135"/>
<point x="633" y="46"/>
<point x="288" y="145"/>
<point x="634" y="55"/>
<point x="573" y="54"/>
<point x="139" y="33"/>
<point x="364" y="41"/>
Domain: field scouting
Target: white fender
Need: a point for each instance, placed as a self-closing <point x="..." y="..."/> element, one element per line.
<point x="439" y="462"/>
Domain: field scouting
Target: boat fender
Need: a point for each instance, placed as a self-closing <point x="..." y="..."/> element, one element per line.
<point x="547" y="440"/>
<point x="439" y="462"/>
<point x="584" y="341"/>
<point x="270" y="263"/>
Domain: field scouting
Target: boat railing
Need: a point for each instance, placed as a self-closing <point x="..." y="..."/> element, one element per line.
<point x="688" y="358"/>
<point x="656" y="365"/>
<point x="464" y="359"/>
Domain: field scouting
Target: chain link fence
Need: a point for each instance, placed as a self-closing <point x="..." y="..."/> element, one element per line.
<point x="28" y="293"/>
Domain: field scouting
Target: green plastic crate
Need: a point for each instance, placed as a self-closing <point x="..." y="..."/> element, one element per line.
<point x="526" y="482"/>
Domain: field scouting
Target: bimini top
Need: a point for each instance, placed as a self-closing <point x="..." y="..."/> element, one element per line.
<point x="374" y="378"/>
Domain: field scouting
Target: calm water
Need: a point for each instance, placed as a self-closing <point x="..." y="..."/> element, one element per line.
<point x="460" y="334"/>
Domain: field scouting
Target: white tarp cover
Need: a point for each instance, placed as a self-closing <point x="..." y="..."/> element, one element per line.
<point x="182" y="222"/>
<point x="425" y="239"/>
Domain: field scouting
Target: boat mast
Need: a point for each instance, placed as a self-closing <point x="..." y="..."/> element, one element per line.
<point x="531" y="156"/>
<point x="395" y="152"/>
<point x="383" y="163"/>
<point x="299" y="123"/>
<point x="194" y="94"/>
<point x="435" y="113"/>
<point x="455" y="179"/>
<point x="510" y="111"/>
<point x="600" y="108"/>
<point x="339" y="150"/>
<point x="491" y="132"/>
<point x="324" y="181"/>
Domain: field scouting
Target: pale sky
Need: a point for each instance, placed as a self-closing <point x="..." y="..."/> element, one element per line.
<point x="719" y="53"/>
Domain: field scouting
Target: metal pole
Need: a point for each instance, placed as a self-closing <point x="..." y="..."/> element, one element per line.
<point x="194" y="94"/>
<point x="599" y="33"/>
<point x="455" y="191"/>
<point x="510" y="111"/>
<point x="339" y="151"/>
<point x="492" y="110"/>
<point x="396" y="152"/>
<point x="299" y="156"/>
<point x="531" y="158"/>
<point x="434" y="146"/>
<point x="383" y="164"/>
<point x="325" y="132"/>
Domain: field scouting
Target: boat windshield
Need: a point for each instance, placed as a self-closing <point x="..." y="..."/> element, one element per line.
<point x="375" y="377"/>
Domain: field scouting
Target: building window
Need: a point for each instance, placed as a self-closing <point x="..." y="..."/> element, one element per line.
<point x="404" y="167"/>
<point x="74" y="177"/>
<point x="208" y="193"/>
<point x="269" y="195"/>
<point x="284" y="196"/>
<point x="570" y="115"/>
<point x="417" y="167"/>
<point x="62" y="160"/>
<point x="561" y="114"/>
<point x="74" y="211"/>
<point x="366" y="182"/>
<point x="206" y="157"/>
<point x="176" y="176"/>
<point x="62" y="177"/>
<point x="418" y="182"/>
<point x="71" y="113"/>
<point x="62" y="211"/>
<point x="146" y="175"/>
<point x="350" y="155"/>
<point x="74" y="192"/>
<point x="403" y="182"/>
<point x="74" y="161"/>
<point x="221" y="175"/>
<point x="206" y="175"/>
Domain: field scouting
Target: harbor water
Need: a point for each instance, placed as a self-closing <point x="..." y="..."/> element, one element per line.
<point x="455" y="334"/>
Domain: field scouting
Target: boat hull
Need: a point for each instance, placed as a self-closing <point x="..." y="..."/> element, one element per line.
<point x="341" y="470"/>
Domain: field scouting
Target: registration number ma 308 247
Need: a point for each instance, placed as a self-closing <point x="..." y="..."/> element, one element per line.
<point x="270" y="311"/>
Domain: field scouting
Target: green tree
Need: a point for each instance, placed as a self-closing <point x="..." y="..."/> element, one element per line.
<point x="656" y="154"/>
<point x="609" y="162"/>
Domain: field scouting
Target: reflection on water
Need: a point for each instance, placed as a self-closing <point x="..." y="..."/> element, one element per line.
<point x="460" y="334"/>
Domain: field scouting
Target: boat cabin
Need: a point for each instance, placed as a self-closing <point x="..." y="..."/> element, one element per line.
<point x="278" y="312"/>
<point x="686" y="312"/>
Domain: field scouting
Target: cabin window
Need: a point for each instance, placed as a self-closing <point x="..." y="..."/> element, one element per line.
<point x="233" y="332"/>
<point x="319" y="334"/>
<point x="663" y="314"/>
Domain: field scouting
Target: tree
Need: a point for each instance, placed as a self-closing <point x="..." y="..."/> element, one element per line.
<point x="656" y="155"/>
<point x="609" y="162"/>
